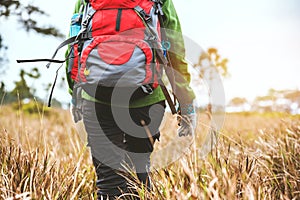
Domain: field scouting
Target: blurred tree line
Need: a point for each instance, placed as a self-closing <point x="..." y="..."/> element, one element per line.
<point x="274" y="101"/>
<point x="26" y="15"/>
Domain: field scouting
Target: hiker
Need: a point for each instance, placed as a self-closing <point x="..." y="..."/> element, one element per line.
<point x="122" y="123"/>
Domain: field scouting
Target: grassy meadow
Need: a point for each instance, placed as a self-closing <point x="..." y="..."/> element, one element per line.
<point x="256" y="157"/>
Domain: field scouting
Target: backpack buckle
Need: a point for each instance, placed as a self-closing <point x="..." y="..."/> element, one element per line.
<point x="147" y="89"/>
<point x="158" y="4"/>
<point x="147" y="18"/>
<point x="143" y="14"/>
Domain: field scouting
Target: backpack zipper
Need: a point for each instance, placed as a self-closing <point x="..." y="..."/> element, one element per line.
<point x="118" y="22"/>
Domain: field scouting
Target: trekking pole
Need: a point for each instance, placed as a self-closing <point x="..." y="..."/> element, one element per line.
<point x="168" y="98"/>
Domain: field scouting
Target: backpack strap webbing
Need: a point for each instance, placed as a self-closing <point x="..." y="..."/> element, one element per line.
<point x="164" y="38"/>
<point x="71" y="40"/>
<point x="162" y="59"/>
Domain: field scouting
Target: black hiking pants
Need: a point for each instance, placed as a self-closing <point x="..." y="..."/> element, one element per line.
<point x="118" y="139"/>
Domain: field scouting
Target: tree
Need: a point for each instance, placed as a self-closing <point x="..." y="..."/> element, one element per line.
<point x="26" y="15"/>
<point x="3" y="49"/>
<point x="2" y="91"/>
<point x="238" y="101"/>
<point x="210" y="67"/>
<point x="22" y="90"/>
<point x="210" y="61"/>
<point x="293" y="96"/>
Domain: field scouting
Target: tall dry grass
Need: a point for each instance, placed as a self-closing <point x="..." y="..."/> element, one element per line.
<point x="256" y="157"/>
<point x="41" y="157"/>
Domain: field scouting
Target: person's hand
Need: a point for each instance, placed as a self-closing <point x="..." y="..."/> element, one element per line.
<point x="76" y="112"/>
<point x="187" y="120"/>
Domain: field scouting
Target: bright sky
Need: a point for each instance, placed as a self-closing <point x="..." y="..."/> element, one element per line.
<point x="261" y="39"/>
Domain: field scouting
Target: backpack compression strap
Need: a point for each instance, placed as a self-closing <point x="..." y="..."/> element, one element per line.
<point x="71" y="40"/>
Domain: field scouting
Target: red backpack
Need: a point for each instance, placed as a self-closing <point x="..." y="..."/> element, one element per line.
<point x="120" y="47"/>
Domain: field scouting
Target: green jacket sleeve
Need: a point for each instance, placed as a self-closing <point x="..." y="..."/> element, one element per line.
<point x="182" y="77"/>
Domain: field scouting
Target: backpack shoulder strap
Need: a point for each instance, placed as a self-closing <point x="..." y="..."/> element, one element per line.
<point x="163" y="58"/>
